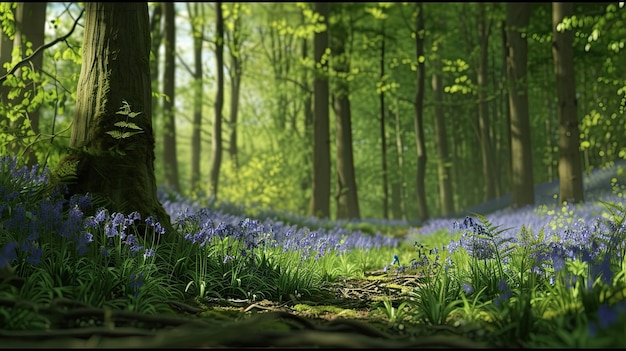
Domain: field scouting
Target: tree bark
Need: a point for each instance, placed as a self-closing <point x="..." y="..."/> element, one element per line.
<point x="422" y="208"/>
<point x="115" y="69"/>
<point x="444" y="166"/>
<point x="320" y="198"/>
<point x="347" y="198"/>
<point x="198" y="91"/>
<point x="488" y="159"/>
<point x="170" y="159"/>
<point x="570" y="168"/>
<point x="235" y="85"/>
<point x="383" y="132"/>
<point x="522" y="183"/>
<point x="216" y="141"/>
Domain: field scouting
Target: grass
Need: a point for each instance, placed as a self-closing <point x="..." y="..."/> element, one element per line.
<point x="110" y="280"/>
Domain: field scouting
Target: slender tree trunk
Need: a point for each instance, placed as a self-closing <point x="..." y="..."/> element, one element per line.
<point x="570" y="169"/>
<point x="522" y="183"/>
<point x="197" y="17"/>
<point x="156" y="32"/>
<point x="235" y="86"/>
<point x="320" y="198"/>
<point x="443" y="157"/>
<point x="398" y="191"/>
<point x="306" y="182"/>
<point x="216" y="141"/>
<point x="422" y="208"/>
<point x="489" y="169"/>
<point x="383" y="133"/>
<point x="347" y="195"/>
<point x="115" y="70"/>
<point x="170" y="159"/>
<point x="30" y="19"/>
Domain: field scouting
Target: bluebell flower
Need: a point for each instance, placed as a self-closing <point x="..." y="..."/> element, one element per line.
<point x="101" y="215"/>
<point x="467" y="287"/>
<point x="148" y="253"/>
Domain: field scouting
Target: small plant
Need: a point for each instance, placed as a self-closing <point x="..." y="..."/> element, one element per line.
<point x="125" y="129"/>
<point x="393" y="314"/>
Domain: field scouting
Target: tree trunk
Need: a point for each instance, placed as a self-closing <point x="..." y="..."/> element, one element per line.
<point x="398" y="191"/>
<point x="216" y="141"/>
<point x="383" y="133"/>
<point x="489" y="169"/>
<point x="30" y="19"/>
<point x="522" y="184"/>
<point x="347" y="199"/>
<point x="441" y="141"/>
<point x="170" y="160"/>
<point x="306" y="182"/>
<point x="422" y="208"/>
<point x="570" y="169"/>
<point x="235" y="86"/>
<point x="198" y="91"/>
<point x="156" y="33"/>
<point x="115" y="69"/>
<point x="320" y="196"/>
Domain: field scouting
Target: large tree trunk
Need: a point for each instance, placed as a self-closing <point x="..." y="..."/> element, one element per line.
<point x="422" y="208"/>
<point x="522" y="184"/>
<point x="347" y="199"/>
<point x="170" y="159"/>
<point x="115" y="70"/>
<point x="570" y="169"/>
<point x="196" y="126"/>
<point x="320" y="196"/>
<point x="216" y="141"/>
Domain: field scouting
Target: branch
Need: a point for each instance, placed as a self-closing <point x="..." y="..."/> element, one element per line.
<point x="41" y="48"/>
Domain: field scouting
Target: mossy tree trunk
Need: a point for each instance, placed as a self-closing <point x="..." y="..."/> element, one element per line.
<point x="113" y="152"/>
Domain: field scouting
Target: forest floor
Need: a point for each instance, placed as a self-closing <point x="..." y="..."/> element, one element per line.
<point x="350" y="316"/>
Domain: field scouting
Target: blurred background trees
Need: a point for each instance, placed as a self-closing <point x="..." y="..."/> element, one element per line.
<point x="493" y="122"/>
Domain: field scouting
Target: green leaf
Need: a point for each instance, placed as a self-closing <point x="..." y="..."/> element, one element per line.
<point x="124" y="124"/>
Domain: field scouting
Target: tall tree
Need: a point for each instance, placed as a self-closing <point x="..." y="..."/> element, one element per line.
<point x="482" y="74"/>
<point x="112" y="125"/>
<point x="216" y="141"/>
<point x="170" y="158"/>
<point x="320" y="196"/>
<point x="347" y="199"/>
<point x="30" y="19"/>
<point x="398" y="191"/>
<point x="570" y="169"/>
<point x="196" y="16"/>
<point x="383" y="132"/>
<point x="235" y="45"/>
<point x="422" y="208"/>
<point x="156" y="35"/>
<point x="522" y="184"/>
<point x="444" y="167"/>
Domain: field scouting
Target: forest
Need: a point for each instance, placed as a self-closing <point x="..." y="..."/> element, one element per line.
<point x="385" y="157"/>
<point x="312" y="130"/>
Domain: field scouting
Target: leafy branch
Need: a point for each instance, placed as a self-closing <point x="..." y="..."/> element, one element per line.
<point x="40" y="49"/>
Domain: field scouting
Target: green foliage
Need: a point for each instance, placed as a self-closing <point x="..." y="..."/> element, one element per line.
<point x="262" y="183"/>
